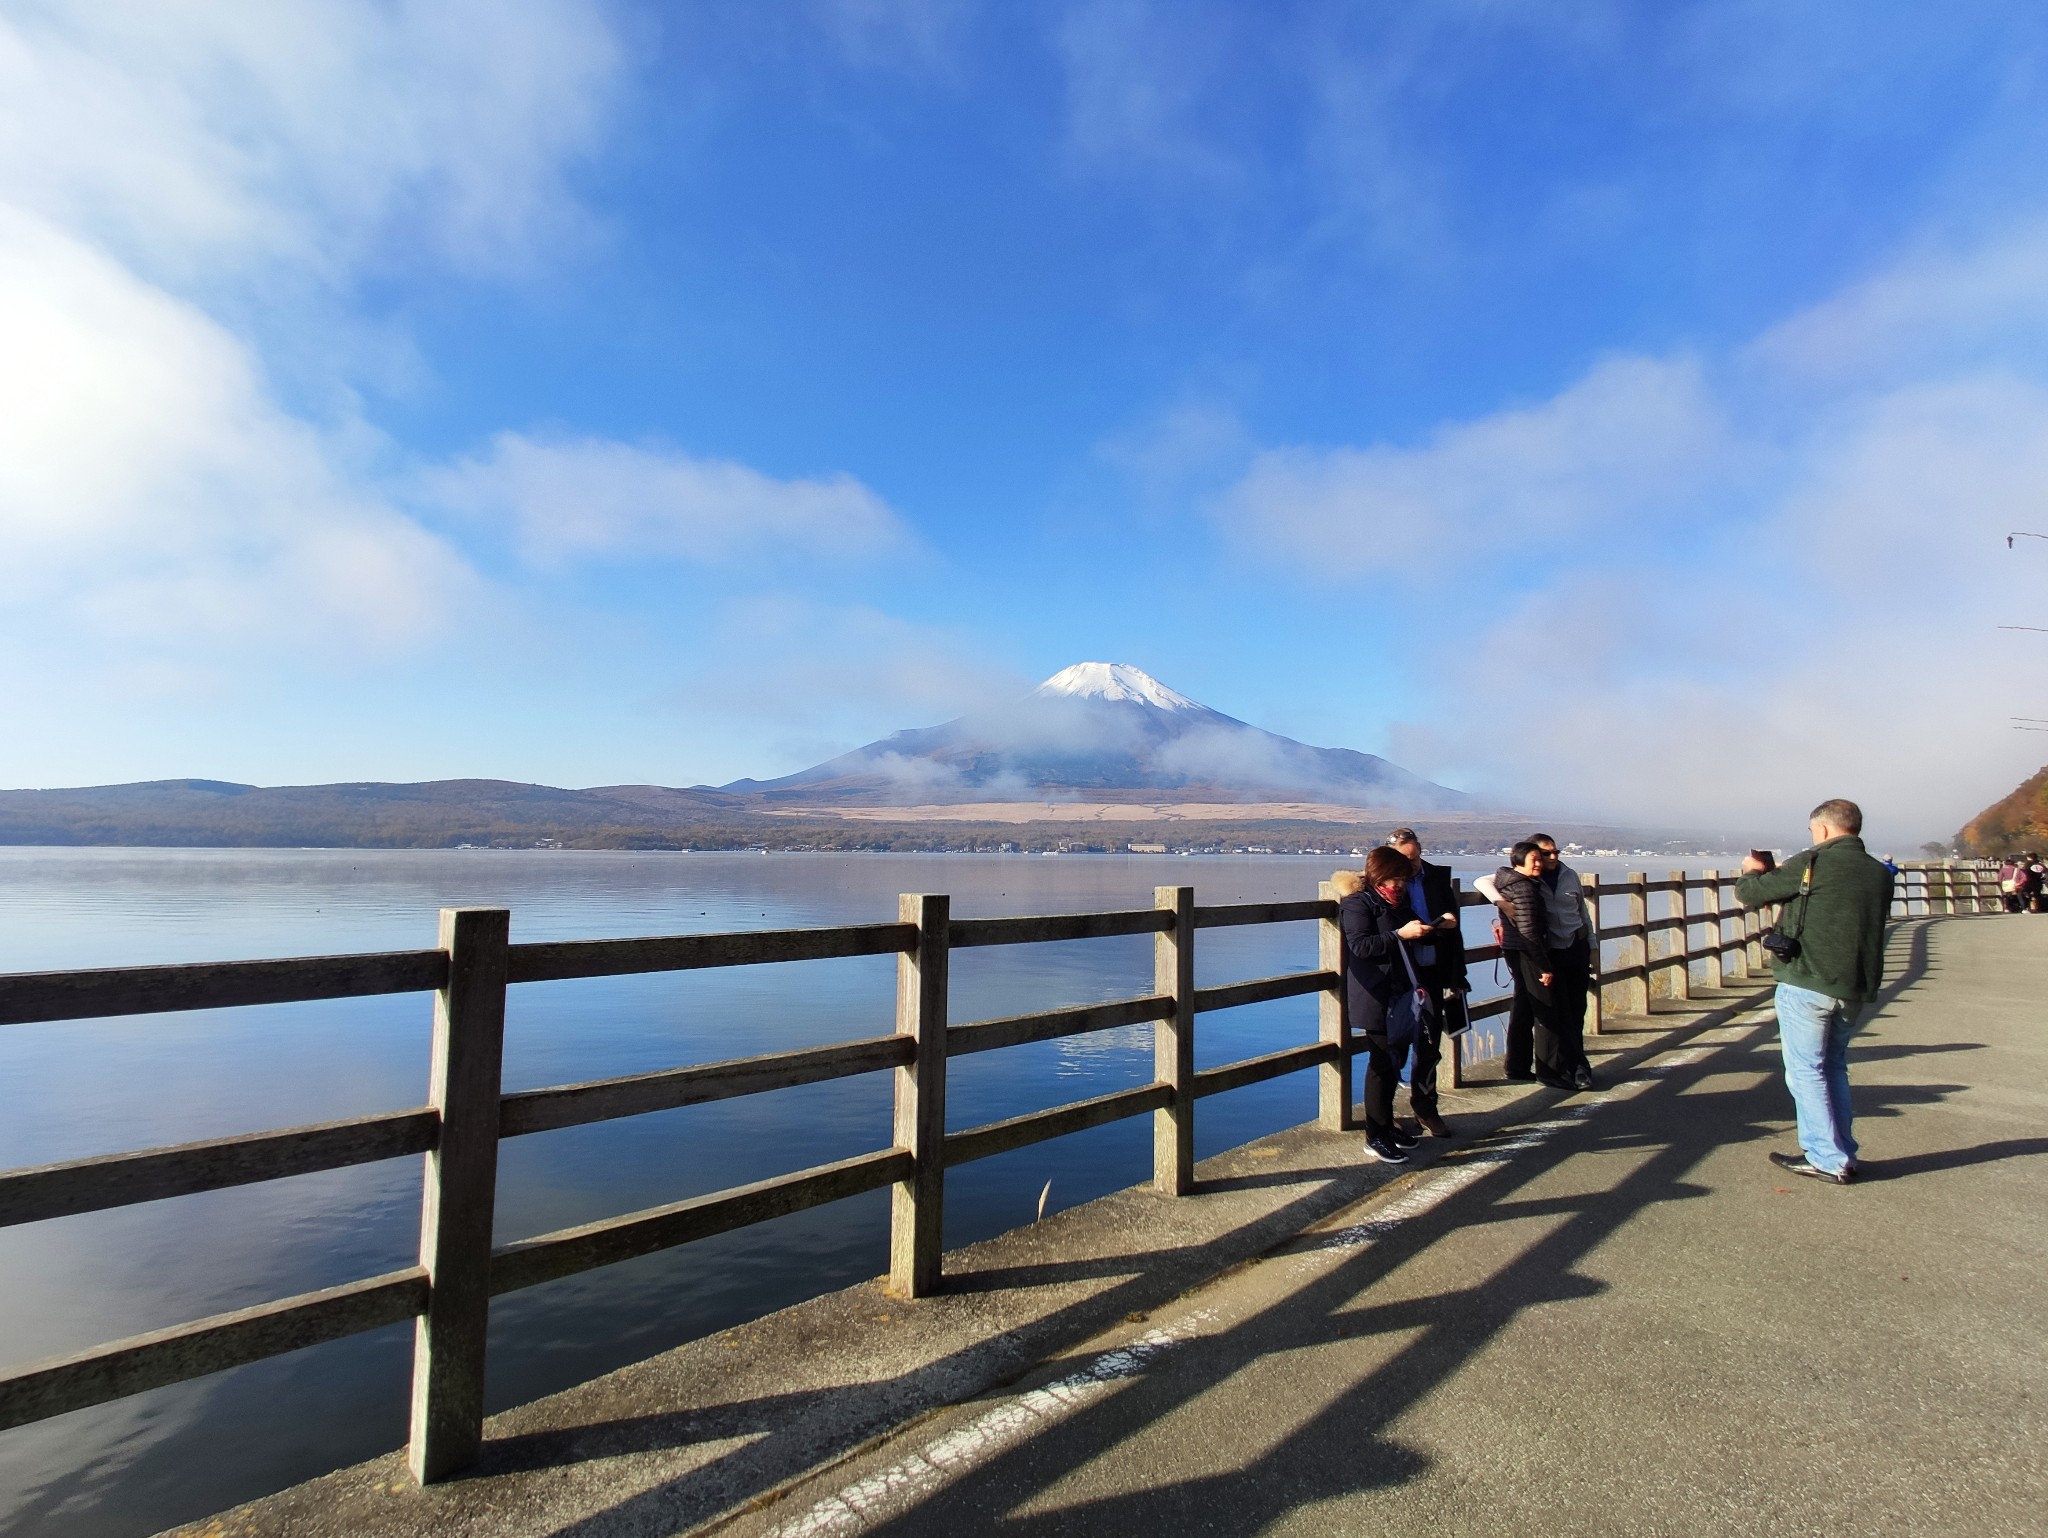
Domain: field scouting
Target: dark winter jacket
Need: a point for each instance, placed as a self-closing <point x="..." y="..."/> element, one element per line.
<point x="1373" y="970"/>
<point x="1441" y="897"/>
<point x="1841" y="932"/>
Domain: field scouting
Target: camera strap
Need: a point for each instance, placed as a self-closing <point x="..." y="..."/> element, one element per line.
<point x="1805" y="892"/>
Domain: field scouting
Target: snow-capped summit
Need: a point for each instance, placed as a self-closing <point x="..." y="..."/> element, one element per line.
<point x="1105" y="731"/>
<point x="1114" y="681"/>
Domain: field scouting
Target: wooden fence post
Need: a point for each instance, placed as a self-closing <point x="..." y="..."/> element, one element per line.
<point x="1680" y="950"/>
<point x="917" y="1206"/>
<point x="1596" y="1008"/>
<point x="1710" y="913"/>
<point x="1333" y="1080"/>
<point x="1734" y="954"/>
<point x="459" y="1195"/>
<point x="1638" y="943"/>
<point x="1173" y="1044"/>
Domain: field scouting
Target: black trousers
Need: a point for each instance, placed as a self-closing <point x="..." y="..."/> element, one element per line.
<point x="1556" y="1013"/>
<point x="1382" y="1073"/>
<point x="1429" y="1052"/>
<point x="1521" y="1055"/>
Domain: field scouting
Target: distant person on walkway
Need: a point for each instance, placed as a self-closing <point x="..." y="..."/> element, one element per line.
<point x="2012" y="894"/>
<point x="1558" y="1056"/>
<point x="2020" y="882"/>
<point x="1827" y="953"/>
<point x="1440" y="960"/>
<point x="1379" y="984"/>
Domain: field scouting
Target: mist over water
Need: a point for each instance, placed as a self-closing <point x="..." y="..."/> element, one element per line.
<point x="78" y="1088"/>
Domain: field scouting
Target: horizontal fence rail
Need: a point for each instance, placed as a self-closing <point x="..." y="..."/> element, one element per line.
<point x="151" y="1174"/>
<point x="27" y="996"/>
<point x="469" y="1114"/>
<point x="576" y="1105"/>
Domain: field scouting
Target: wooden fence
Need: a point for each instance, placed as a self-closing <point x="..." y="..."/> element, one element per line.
<point x="467" y="1114"/>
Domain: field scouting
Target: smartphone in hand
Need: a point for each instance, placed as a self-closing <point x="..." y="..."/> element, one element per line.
<point x="1764" y="858"/>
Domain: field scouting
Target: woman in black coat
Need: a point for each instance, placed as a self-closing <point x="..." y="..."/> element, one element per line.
<point x="1373" y="912"/>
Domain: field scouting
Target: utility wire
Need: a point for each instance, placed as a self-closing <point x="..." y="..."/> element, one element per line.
<point x="2022" y="534"/>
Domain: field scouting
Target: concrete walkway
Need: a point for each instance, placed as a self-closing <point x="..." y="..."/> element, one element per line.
<point x="1607" y="1314"/>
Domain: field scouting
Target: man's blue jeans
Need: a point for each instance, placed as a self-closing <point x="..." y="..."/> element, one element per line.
<point x="1814" y="1031"/>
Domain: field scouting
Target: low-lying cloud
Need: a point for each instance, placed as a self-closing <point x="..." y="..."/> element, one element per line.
<point x="576" y="497"/>
<point x="1623" y="443"/>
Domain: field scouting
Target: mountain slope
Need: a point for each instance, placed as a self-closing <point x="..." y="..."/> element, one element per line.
<point x="1104" y="731"/>
<point x="2019" y="821"/>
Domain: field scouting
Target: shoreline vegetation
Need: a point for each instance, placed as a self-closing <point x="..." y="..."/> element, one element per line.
<point x="490" y="814"/>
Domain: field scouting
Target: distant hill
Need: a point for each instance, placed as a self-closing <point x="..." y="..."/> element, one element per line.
<point x="1101" y="731"/>
<point x="1096" y="732"/>
<point x="2020" y="821"/>
<point x="435" y="814"/>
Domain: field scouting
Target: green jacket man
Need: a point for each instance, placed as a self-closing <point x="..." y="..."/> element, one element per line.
<point x="1839" y="922"/>
<point x="1837" y="899"/>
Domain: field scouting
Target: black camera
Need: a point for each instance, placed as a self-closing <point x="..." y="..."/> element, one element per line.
<point x="1784" y="947"/>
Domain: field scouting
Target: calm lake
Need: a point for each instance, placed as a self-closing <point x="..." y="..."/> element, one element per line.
<point x="90" y="1087"/>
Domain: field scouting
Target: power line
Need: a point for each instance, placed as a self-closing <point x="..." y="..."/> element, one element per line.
<point x="2022" y="534"/>
<point x="2042" y="628"/>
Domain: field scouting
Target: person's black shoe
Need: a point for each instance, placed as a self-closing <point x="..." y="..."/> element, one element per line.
<point x="1435" y="1125"/>
<point x="1798" y="1166"/>
<point x="1379" y="1148"/>
<point x="1553" y="1081"/>
<point x="1520" y="1075"/>
<point x="1401" y="1137"/>
<point x="1582" y="1078"/>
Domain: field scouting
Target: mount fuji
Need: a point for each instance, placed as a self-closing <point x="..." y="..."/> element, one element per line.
<point x="1103" y="731"/>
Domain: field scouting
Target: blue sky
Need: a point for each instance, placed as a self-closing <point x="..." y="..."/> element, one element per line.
<point x="1613" y="408"/>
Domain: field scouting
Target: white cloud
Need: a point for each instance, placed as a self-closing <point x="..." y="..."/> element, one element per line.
<point x="1631" y="439"/>
<point x="1937" y="308"/>
<point x="593" y="497"/>
<point x="166" y="173"/>
<point x="1140" y="79"/>
<point x="1736" y="586"/>
<point x="1181" y="447"/>
<point x="205" y="135"/>
<point x="1841" y="640"/>
<point x="150" y="488"/>
<point x="166" y="167"/>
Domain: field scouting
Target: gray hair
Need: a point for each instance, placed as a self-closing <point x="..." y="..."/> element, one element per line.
<point x="1846" y="815"/>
